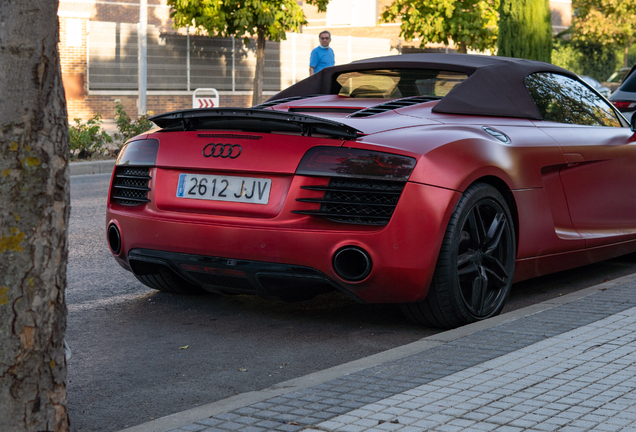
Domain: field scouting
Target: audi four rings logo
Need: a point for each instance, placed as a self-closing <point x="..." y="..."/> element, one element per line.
<point x="231" y="151"/>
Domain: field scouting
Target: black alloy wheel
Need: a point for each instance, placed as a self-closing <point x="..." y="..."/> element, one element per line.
<point x="476" y="262"/>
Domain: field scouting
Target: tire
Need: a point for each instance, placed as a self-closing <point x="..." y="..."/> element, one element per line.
<point x="475" y="267"/>
<point x="167" y="281"/>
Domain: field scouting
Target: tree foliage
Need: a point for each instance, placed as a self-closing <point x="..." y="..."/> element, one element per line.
<point x="605" y="21"/>
<point x="470" y="24"/>
<point x="128" y="127"/>
<point x="525" y="29"/>
<point x="88" y="138"/>
<point x="263" y="19"/>
<point x="565" y="55"/>
<point x="597" y="60"/>
<point x="586" y="58"/>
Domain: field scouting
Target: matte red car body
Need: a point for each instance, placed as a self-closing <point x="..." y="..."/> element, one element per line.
<point x="570" y="190"/>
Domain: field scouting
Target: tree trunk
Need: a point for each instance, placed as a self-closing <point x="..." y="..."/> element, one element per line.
<point x="462" y="48"/>
<point x="260" y="68"/>
<point x="34" y="209"/>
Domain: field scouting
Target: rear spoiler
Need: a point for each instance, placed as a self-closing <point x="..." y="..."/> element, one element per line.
<point x="253" y="120"/>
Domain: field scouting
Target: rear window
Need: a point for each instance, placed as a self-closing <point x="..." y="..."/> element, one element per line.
<point x="397" y="83"/>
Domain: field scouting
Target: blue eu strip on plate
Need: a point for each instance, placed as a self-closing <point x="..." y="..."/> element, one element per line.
<point x="180" y="186"/>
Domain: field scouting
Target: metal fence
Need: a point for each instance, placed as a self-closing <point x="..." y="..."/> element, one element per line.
<point x="186" y="61"/>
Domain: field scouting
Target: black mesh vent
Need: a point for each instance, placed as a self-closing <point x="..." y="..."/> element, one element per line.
<point x="394" y="104"/>
<point x="223" y="281"/>
<point x="373" y="185"/>
<point x="356" y="201"/>
<point x="131" y="185"/>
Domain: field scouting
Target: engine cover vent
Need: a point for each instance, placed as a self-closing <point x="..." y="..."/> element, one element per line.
<point x="282" y="101"/>
<point x="393" y="105"/>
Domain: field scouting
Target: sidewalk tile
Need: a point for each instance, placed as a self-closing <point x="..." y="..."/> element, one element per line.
<point x="570" y="368"/>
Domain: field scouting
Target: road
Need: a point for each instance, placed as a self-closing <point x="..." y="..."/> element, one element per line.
<point x="139" y="354"/>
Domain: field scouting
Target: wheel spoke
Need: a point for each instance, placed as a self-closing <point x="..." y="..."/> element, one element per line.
<point x="494" y="225"/>
<point x="476" y="226"/>
<point x="499" y="280"/>
<point x="495" y="232"/>
<point x="470" y="268"/>
<point x="495" y="266"/>
<point x="480" y="288"/>
<point x="481" y="224"/>
<point x="468" y="256"/>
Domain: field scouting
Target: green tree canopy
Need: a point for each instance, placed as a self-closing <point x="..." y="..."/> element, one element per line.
<point x="263" y="19"/>
<point x="468" y="23"/>
<point x="525" y="29"/>
<point x="605" y="21"/>
<point x="603" y="25"/>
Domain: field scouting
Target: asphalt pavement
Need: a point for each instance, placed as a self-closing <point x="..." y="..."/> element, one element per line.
<point x="567" y="364"/>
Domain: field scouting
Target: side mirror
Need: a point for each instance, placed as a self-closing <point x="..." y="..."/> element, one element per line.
<point x="633" y="122"/>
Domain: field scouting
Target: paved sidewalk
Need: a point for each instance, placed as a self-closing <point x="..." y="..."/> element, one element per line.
<point x="568" y="364"/>
<point x="92" y="167"/>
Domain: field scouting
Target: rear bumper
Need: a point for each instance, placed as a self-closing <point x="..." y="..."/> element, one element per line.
<point x="231" y="276"/>
<point x="403" y="253"/>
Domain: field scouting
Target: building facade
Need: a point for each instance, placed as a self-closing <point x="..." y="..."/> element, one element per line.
<point x="98" y="51"/>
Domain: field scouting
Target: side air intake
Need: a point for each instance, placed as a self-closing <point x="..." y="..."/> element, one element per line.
<point x="130" y="186"/>
<point x="355" y="201"/>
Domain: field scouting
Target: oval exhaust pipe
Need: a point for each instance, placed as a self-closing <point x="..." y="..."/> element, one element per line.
<point x="352" y="264"/>
<point x="114" y="239"/>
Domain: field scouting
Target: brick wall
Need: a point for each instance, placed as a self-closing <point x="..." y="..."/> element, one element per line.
<point x="72" y="47"/>
<point x="73" y="18"/>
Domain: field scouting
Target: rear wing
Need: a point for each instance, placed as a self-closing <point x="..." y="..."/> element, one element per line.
<point x="253" y="120"/>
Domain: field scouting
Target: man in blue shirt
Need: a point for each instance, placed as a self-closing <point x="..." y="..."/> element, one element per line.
<point x="322" y="56"/>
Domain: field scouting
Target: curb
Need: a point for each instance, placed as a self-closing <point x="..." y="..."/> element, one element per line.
<point x="92" y="167"/>
<point x="187" y="417"/>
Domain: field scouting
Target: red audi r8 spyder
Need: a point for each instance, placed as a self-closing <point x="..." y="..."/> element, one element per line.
<point x="430" y="180"/>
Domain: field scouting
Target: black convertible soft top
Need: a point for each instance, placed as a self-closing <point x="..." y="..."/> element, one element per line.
<point x="495" y="85"/>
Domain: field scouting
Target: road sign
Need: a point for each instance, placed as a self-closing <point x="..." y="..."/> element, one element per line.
<point x="205" y="98"/>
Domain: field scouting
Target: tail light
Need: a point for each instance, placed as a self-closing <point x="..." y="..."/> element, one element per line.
<point x="346" y="162"/>
<point x="364" y="186"/>
<point x="132" y="172"/>
<point x="624" y="105"/>
<point x="139" y="153"/>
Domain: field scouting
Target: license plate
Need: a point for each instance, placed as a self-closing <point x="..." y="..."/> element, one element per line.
<point x="224" y="188"/>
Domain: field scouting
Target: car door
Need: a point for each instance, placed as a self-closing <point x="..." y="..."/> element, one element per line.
<point x="599" y="179"/>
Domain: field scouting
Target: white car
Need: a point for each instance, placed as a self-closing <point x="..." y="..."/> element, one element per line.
<point x="605" y="91"/>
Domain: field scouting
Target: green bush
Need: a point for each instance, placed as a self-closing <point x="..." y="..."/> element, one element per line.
<point x="631" y="56"/>
<point x="88" y="139"/>
<point x="128" y="127"/>
<point x="600" y="60"/>
<point x="566" y="56"/>
<point x="586" y="58"/>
